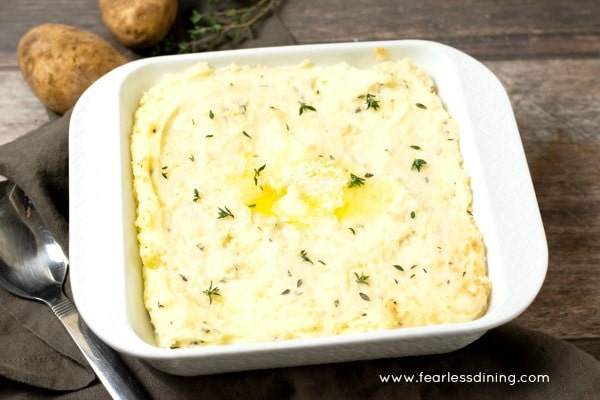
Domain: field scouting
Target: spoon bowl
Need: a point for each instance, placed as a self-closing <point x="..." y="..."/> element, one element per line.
<point x="33" y="266"/>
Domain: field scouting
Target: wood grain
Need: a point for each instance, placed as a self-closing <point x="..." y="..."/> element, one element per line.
<point x="486" y="29"/>
<point x="20" y="110"/>
<point x="18" y="16"/>
<point x="555" y="104"/>
<point x="547" y="55"/>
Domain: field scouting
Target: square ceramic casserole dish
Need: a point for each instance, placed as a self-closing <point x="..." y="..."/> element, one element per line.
<point x="106" y="274"/>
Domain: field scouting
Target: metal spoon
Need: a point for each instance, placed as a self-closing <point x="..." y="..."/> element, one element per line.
<point x="33" y="266"/>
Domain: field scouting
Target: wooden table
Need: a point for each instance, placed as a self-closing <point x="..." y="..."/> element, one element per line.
<point x="545" y="52"/>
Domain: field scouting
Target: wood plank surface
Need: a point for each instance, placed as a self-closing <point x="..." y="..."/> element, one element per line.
<point x="546" y="54"/>
<point x="20" y="110"/>
<point x="556" y="107"/>
<point x="485" y="29"/>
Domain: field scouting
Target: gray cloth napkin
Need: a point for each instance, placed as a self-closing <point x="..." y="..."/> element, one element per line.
<point x="38" y="360"/>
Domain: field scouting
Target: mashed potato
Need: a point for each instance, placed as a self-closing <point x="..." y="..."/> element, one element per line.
<point x="300" y="201"/>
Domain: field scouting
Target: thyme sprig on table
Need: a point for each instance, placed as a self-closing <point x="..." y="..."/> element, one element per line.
<point x="222" y="22"/>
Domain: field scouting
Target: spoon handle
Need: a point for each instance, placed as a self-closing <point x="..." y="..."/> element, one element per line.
<point x="110" y="369"/>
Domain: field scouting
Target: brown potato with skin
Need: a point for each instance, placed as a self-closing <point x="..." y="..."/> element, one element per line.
<point x="59" y="62"/>
<point x="138" y="24"/>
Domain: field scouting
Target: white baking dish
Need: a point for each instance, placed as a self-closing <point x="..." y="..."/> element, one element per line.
<point x="105" y="266"/>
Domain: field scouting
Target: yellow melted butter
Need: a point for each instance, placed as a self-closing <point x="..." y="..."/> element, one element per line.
<point x="263" y="202"/>
<point x="301" y="202"/>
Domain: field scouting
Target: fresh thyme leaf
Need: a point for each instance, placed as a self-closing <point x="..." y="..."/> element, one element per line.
<point x="211" y="114"/>
<point x="304" y="256"/>
<point x="257" y="172"/>
<point x="211" y="291"/>
<point x="356" y="181"/>
<point x="164" y="172"/>
<point x="224" y="213"/>
<point x="370" y="100"/>
<point x="246" y="134"/>
<point x="416" y="147"/>
<point x="418" y="163"/>
<point x="252" y="205"/>
<point x="421" y="106"/>
<point x="398" y="267"/>
<point x="362" y="279"/>
<point x="221" y="22"/>
<point x="192" y="158"/>
<point x="364" y="296"/>
<point x="305" y="107"/>
<point x="286" y="291"/>
<point x="412" y="214"/>
<point x="352" y="230"/>
<point x="299" y="283"/>
<point x="196" y="195"/>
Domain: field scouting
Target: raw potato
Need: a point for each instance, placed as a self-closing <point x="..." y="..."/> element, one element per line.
<point x="59" y="62"/>
<point x="138" y="24"/>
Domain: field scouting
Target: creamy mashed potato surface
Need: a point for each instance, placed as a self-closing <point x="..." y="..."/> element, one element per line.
<point x="299" y="201"/>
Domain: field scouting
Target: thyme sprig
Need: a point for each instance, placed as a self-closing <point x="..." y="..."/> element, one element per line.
<point x="257" y="172"/>
<point x="211" y="291"/>
<point x="305" y="107"/>
<point x="304" y="256"/>
<point x="362" y="278"/>
<point x="418" y="163"/>
<point x="224" y="213"/>
<point x="222" y="22"/>
<point x="356" y="181"/>
<point x="370" y="100"/>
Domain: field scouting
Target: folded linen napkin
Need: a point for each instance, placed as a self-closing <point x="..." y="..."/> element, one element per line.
<point x="38" y="359"/>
